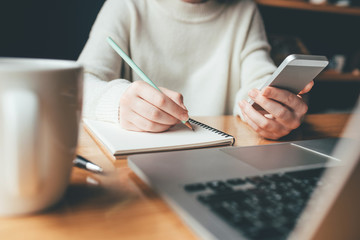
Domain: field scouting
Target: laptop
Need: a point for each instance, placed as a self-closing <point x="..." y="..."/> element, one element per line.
<point x="295" y="190"/>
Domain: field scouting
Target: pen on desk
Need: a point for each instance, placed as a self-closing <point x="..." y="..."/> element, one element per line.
<point x="81" y="162"/>
<point x="138" y="71"/>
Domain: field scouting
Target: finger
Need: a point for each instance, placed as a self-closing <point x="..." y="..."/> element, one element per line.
<point x="255" y="127"/>
<point x="286" y="98"/>
<point x="261" y="121"/>
<point x="129" y="126"/>
<point x="258" y="130"/>
<point x="266" y="127"/>
<point x="130" y="101"/>
<point x="307" y="88"/>
<point x="163" y="102"/>
<point x="277" y="110"/>
<point x="146" y="125"/>
<point x="175" y="96"/>
<point x="152" y="113"/>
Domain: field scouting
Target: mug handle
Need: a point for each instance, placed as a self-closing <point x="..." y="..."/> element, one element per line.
<point x="20" y="119"/>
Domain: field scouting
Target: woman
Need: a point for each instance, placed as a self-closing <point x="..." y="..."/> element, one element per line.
<point x="212" y="52"/>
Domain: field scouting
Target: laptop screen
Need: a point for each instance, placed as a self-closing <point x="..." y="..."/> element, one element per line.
<point x="334" y="212"/>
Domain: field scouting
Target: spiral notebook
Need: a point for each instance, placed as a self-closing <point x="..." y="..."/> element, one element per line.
<point x="119" y="142"/>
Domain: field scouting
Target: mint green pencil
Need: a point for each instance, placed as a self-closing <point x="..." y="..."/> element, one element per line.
<point x="138" y="71"/>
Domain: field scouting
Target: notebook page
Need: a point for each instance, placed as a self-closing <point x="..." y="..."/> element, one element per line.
<point x="119" y="141"/>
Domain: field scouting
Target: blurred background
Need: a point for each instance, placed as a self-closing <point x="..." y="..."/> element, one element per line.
<point x="59" y="29"/>
<point x="46" y="28"/>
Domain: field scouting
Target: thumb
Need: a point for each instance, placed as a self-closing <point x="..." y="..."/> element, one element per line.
<point x="307" y="88"/>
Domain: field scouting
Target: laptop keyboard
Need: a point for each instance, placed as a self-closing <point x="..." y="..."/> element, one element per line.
<point x="261" y="207"/>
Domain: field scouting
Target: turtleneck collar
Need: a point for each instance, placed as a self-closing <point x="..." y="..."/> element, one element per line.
<point x="191" y="12"/>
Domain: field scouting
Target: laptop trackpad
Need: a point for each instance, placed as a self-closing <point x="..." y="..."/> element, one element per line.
<point x="272" y="157"/>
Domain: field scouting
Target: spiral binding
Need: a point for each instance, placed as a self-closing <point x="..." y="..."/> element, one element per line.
<point x="211" y="129"/>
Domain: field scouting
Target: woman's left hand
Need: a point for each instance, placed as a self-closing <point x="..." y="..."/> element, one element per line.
<point x="284" y="111"/>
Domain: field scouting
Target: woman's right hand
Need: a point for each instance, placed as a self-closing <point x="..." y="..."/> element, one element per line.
<point x="146" y="109"/>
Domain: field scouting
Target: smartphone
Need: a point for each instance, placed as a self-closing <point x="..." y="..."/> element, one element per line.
<point x="295" y="72"/>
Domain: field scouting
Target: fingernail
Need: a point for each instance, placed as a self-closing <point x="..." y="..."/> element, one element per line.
<point x="269" y="116"/>
<point x="253" y="93"/>
<point x="266" y="92"/>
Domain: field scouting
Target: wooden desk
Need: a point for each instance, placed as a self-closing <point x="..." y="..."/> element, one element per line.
<point x="117" y="205"/>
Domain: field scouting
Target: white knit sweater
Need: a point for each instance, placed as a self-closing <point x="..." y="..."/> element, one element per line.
<point x="211" y="52"/>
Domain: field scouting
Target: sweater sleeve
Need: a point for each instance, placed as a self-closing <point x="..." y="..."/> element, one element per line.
<point x="256" y="64"/>
<point x="103" y="68"/>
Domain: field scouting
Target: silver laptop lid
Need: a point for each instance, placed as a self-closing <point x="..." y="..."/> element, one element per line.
<point x="334" y="211"/>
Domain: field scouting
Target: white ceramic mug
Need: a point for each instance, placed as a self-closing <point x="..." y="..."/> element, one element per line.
<point x="40" y="111"/>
